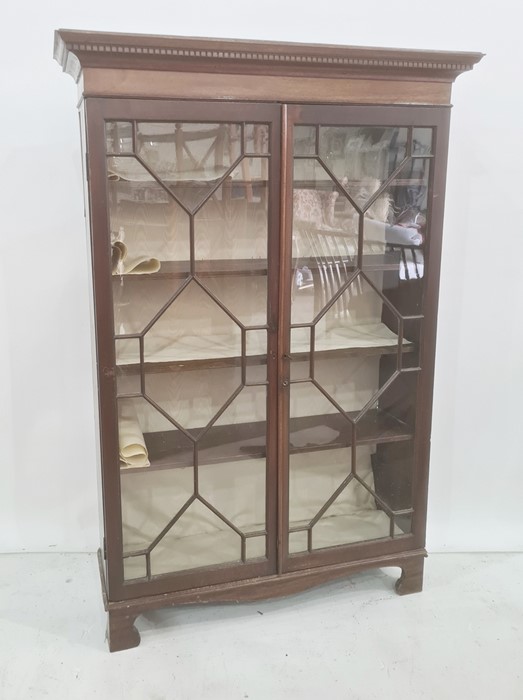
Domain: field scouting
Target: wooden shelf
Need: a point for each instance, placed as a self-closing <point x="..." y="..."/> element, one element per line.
<point x="180" y="269"/>
<point x="226" y="443"/>
<point x="252" y="360"/>
<point x="389" y="260"/>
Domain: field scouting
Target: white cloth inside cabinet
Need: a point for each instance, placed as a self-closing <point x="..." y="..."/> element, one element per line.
<point x="157" y="226"/>
<point x="123" y="264"/>
<point x="133" y="452"/>
<point x="237" y="490"/>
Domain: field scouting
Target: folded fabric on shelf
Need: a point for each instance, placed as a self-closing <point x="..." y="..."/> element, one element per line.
<point x="133" y="452"/>
<point x="122" y="264"/>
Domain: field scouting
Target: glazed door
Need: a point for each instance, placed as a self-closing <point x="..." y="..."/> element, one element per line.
<point x="358" y="328"/>
<point x="185" y="215"/>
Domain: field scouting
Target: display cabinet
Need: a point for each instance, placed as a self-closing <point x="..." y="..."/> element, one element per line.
<point x="265" y="231"/>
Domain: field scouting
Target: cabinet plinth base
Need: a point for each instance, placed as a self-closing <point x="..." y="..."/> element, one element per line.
<point x="121" y="632"/>
<point x="411" y="579"/>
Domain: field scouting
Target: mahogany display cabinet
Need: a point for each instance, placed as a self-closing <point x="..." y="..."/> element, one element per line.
<point x="265" y="232"/>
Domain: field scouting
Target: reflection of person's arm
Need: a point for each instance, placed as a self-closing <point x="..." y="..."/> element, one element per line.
<point x="401" y="235"/>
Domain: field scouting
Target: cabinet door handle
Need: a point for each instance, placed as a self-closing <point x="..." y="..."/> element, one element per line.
<point x="285" y="383"/>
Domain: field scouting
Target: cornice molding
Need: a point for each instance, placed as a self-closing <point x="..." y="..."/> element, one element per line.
<point x="75" y="50"/>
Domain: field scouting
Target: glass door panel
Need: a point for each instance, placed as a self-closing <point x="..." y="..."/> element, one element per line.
<point x="360" y="211"/>
<point x="189" y="220"/>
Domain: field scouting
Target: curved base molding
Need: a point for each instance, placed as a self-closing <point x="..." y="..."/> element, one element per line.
<point x="122" y="634"/>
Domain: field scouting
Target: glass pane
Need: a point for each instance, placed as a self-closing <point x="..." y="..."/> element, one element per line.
<point x="300" y="353"/>
<point x="256" y="547"/>
<point x="316" y="423"/>
<point x="128" y="366"/>
<point x="256" y="139"/>
<point x="134" y="567"/>
<point x="118" y="137"/>
<point x="148" y="438"/>
<point x="148" y="228"/>
<point x="313" y="477"/>
<point x="149" y="502"/>
<point x="393" y="469"/>
<point x="192" y="397"/>
<point x="191" y="159"/>
<point x="243" y="505"/>
<point x="256" y="361"/>
<point x="304" y="140"/>
<point x="198" y="538"/>
<point x="177" y="335"/>
<point x="238" y="433"/>
<point x="232" y="224"/>
<point x="298" y="541"/>
<point x="421" y="142"/>
<point x="355" y="319"/>
<point x="244" y="295"/>
<point x="363" y="156"/>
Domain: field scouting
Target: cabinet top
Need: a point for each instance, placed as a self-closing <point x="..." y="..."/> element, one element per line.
<point x="76" y="50"/>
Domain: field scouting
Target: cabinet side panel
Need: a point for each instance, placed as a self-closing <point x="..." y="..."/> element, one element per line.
<point x="105" y="353"/>
<point x="428" y="345"/>
<point x="98" y="466"/>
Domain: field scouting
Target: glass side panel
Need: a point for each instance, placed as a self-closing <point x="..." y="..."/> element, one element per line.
<point x="359" y="229"/>
<point x="188" y="212"/>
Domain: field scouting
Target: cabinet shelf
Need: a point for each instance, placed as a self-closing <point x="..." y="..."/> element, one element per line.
<point x="371" y="262"/>
<point x="179" y="269"/>
<point x="240" y="441"/>
<point x="252" y="360"/>
<point x="223" y="351"/>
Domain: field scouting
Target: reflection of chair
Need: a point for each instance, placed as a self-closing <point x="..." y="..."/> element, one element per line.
<point x="411" y="261"/>
<point x="329" y="246"/>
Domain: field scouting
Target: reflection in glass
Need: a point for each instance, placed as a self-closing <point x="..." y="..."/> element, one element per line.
<point x="304" y="140"/>
<point x="144" y="220"/>
<point x="363" y="156"/>
<point x="118" y="137"/>
<point x="232" y="224"/>
<point x="421" y="142"/>
<point x="256" y="138"/>
<point x="189" y="158"/>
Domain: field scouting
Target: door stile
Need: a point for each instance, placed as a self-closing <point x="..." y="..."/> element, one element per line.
<point x="284" y="332"/>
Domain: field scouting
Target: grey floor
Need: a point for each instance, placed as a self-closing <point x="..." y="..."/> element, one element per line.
<point x="462" y="638"/>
